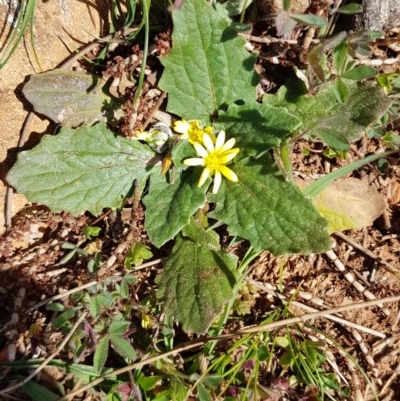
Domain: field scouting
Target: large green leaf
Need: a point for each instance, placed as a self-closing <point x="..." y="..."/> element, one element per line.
<point x="169" y="206"/>
<point x="365" y="104"/>
<point x="196" y="282"/>
<point x="257" y="127"/>
<point x="208" y="66"/>
<point x="83" y="169"/>
<point x="270" y="212"/>
<point x="69" y="97"/>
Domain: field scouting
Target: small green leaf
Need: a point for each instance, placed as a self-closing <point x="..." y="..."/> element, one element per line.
<point x="208" y="66"/>
<point x="359" y="73"/>
<point x="101" y="354"/>
<point x="94" y="306"/>
<point x="212" y="381"/>
<point x="68" y="98"/>
<point x="105" y="299"/>
<point x="124" y="290"/>
<point x="148" y="383"/>
<point x="83" y="169"/>
<point x="263" y="353"/>
<point x="203" y="393"/>
<point x="122" y="346"/>
<point x="195" y="284"/>
<point x="209" y="239"/>
<point x="270" y="212"/>
<point x="55" y="306"/>
<point x="129" y="279"/>
<point x="366" y="103"/>
<point x="119" y="328"/>
<point x="169" y="206"/>
<point x="308" y="19"/>
<point x="340" y="56"/>
<point x="341" y="91"/>
<point x="136" y="254"/>
<point x="351" y="8"/>
<point x="64" y="318"/>
<point x="91" y="232"/>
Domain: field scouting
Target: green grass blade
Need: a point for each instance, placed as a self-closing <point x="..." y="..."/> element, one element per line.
<point x="318" y="186"/>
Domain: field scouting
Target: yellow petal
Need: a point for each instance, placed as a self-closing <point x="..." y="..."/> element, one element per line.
<point x="208" y="143"/>
<point x="195" y="161"/>
<point x="228" y="173"/>
<point x="217" y="182"/>
<point x="203" y="177"/>
<point x="220" y="140"/>
<point x="200" y="150"/>
<point x="227" y="157"/>
<point x="228" y="145"/>
<point x="181" y="126"/>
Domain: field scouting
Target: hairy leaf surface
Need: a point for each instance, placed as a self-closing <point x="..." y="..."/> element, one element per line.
<point x="83" y="169"/>
<point x="208" y="66"/>
<point x="169" y="206"/>
<point x="270" y="212"/>
<point x="69" y="97"/>
<point x="196" y="281"/>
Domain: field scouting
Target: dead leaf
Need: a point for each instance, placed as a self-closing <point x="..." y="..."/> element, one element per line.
<point x="350" y="204"/>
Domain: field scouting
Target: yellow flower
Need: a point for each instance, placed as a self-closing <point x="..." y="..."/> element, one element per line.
<point x="193" y="131"/>
<point x="213" y="158"/>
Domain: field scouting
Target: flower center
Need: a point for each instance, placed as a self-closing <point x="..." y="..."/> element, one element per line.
<point x="212" y="162"/>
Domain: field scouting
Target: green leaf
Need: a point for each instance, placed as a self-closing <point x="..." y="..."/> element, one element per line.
<point x="340" y="56"/>
<point x="209" y="239"/>
<point x="203" y="393"/>
<point x="122" y="346"/>
<point x="55" y="306"/>
<point x="341" y="91"/>
<point x="359" y="73"/>
<point x="195" y="284"/>
<point x="208" y="66"/>
<point x="351" y="8"/>
<point x="136" y="254"/>
<point x="65" y="317"/>
<point x="257" y="127"/>
<point x="68" y="98"/>
<point x="83" y="169"/>
<point x="94" y="306"/>
<point x="169" y="206"/>
<point x="101" y="354"/>
<point x="270" y="212"/>
<point x="124" y="290"/>
<point x="366" y="103"/>
<point x="318" y="186"/>
<point x="308" y="19"/>
<point x="105" y="299"/>
<point x="147" y="383"/>
<point x="212" y="381"/>
<point x="91" y="232"/>
<point x="119" y="328"/>
<point x="39" y="393"/>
